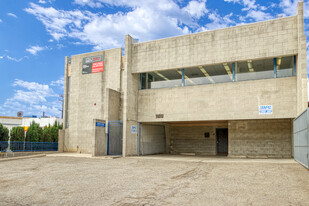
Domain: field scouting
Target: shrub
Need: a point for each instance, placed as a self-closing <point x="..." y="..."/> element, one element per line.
<point x="34" y="133"/>
<point x="4" y="133"/>
<point x="17" y="134"/>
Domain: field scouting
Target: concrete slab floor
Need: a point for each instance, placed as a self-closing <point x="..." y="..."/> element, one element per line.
<point x="152" y="180"/>
<point x="219" y="159"/>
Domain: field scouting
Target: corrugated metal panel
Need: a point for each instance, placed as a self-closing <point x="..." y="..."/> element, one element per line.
<point x="301" y="139"/>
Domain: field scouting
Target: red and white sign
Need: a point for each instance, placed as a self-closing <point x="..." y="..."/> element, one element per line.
<point x="97" y="67"/>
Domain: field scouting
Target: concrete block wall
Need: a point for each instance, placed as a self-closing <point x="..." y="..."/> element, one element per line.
<point x="302" y="95"/>
<point x="112" y="103"/>
<point x="270" y="38"/>
<point x="192" y="140"/>
<point x="130" y="85"/>
<point x="61" y="136"/>
<point x="260" y="138"/>
<point x="87" y="97"/>
<point x="226" y="101"/>
<point x="99" y="139"/>
<point x="152" y="139"/>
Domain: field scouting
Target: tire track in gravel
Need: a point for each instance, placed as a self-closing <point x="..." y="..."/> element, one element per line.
<point x="159" y="194"/>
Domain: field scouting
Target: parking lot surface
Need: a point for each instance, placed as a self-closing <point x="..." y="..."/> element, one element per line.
<point x="152" y="180"/>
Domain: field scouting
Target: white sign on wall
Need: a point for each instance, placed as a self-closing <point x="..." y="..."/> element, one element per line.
<point x="265" y="109"/>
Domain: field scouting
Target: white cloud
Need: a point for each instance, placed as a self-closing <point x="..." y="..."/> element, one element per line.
<point x="90" y="3"/>
<point x="58" y="82"/>
<point x="45" y="1"/>
<point x="32" y="98"/>
<point x="248" y="4"/>
<point x="218" y="22"/>
<point x="35" y="49"/>
<point x="263" y="8"/>
<point x="1" y="57"/>
<point x="289" y="7"/>
<point x="12" y="15"/>
<point x="35" y="93"/>
<point x="254" y="11"/>
<point x="233" y="1"/>
<point x="14" y="59"/>
<point x="146" y="20"/>
<point x="0" y="20"/>
<point x="196" y="9"/>
<point x="259" y="15"/>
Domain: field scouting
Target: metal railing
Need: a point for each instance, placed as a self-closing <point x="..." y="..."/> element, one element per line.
<point x="28" y="146"/>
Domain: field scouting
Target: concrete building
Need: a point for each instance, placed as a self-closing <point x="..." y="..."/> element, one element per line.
<point x="232" y="91"/>
<point x="43" y="121"/>
<point x="10" y="122"/>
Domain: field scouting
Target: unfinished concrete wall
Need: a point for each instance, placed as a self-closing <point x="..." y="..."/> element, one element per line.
<point x="112" y="105"/>
<point x="226" y="101"/>
<point x="271" y="38"/>
<point x="66" y="140"/>
<point x="130" y="104"/>
<point x="268" y="39"/>
<point x="260" y="138"/>
<point x="152" y="139"/>
<point x="100" y="139"/>
<point x="192" y="140"/>
<point x="87" y="97"/>
<point x="302" y="95"/>
<point x="61" y="136"/>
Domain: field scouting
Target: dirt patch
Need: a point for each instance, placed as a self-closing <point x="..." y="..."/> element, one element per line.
<point x="146" y="181"/>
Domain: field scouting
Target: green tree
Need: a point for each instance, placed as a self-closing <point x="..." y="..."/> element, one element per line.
<point x="34" y="133"/>
<point x="4" y="133"/>
<point x="47" y="136"/>
<point x="54" y="132"/>
<point x="17" y="134"/>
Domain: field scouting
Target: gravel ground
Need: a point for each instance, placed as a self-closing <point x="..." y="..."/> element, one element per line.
<point x="152" y="180"/>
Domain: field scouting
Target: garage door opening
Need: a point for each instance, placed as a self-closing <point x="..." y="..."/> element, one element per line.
<point x="152" y="139"/>
<point x="185" y="138"/>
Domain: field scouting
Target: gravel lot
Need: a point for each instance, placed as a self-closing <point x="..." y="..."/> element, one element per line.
<point x="152" y="180"/>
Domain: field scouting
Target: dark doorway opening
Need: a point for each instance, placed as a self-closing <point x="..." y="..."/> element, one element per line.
<point x="222" y="141"/>
<point x="114" y="138"/>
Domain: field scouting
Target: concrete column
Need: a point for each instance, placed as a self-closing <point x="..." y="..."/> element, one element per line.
<point x="292" y="139"/>
<point x="65" y="91"/>
<point x="130" y="93"/>
<point x="168" y="138"/>
<point x="301" y="73"/>
<point x="61" y="136"/>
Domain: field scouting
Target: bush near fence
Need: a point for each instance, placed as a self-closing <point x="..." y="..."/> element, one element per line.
<point x="4" y="133"/>
<point x="37" y="139"/>
<point x="35" y="133"/>
<point x="17" y="134"/>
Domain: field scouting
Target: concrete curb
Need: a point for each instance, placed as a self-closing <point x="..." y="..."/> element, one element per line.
<point x="22" y="157"/>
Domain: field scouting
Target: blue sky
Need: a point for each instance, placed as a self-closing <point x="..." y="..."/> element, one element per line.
<point x="36" y="35"/>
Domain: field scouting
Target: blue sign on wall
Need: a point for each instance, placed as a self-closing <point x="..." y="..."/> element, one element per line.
<point x="265" y="109"/>
<point x="133" y="129"/>
<point x="99" y="124"/>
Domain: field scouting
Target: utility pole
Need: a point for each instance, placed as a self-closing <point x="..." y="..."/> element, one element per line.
<point x="61" y="100"/>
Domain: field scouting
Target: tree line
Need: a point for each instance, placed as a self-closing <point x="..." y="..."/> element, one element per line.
<point x="34" y="134"/>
